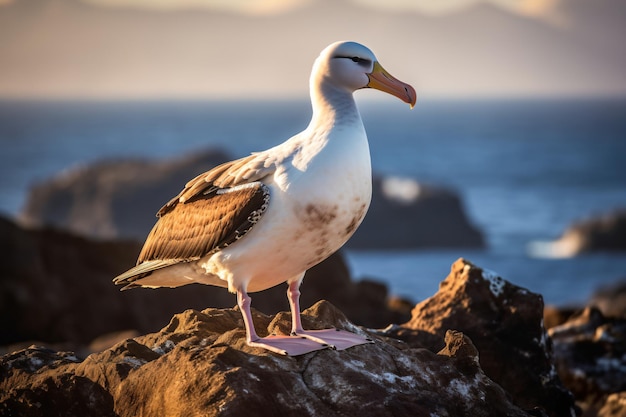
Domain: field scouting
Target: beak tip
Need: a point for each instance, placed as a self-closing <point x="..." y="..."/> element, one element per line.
<point x="412" y="100"/>
<point x="411" y="95"/>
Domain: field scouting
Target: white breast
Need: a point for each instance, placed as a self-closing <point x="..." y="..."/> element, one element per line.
<point x="319" y="196"/>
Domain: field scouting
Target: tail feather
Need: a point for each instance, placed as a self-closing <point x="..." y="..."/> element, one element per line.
<point x="141" y="270"/>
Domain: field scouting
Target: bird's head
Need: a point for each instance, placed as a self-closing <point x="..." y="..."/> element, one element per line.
<point x="352" y="66"/>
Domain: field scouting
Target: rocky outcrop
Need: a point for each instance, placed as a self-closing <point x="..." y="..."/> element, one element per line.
<point x="611" y="299"/>
<point x="505" y="323"/>
<point x="112" y="198"/>
<point x="606" y="232"/>
<point x="200" y="365"/>
<point x="590" y="350"/>
<point x="118" y="199"/>
<point x="407" y="214"/>
<point x="56" y="288"/>
<point x="477" y="347"/>
<point x="590" y="354"/>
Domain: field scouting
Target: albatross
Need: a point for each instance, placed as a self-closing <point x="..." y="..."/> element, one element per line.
<point x="262" y="220"/>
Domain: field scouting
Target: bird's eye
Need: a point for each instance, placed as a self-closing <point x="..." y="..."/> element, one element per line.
<point x="361" y="61"/>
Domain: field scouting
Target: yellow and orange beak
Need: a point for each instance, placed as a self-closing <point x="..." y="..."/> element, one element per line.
<point x="381" y="80"/>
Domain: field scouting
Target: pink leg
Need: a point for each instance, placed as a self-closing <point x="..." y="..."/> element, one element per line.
<point x="244" y="301"/>
<point x="283" y="345"/>
<point x="293" y="294"/>
<point x="338" y="339"/>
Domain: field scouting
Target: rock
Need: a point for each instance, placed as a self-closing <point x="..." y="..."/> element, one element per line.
<point x="56" y="287"/>
<point x="199" y="364"/>
<point x="118" y="199"/>
<point x="487" y="354"/>
<point x="614" y="406"/>
<point x="606" y="232"/>
<point x="107" y="340"/>
<point x="611" y="299"/>
<point x="505" y="323"/>
<point x="113" y="198"/>
<point x="590" y="355"/>
<point x="40" y="382"/>
<point x="407" y="214"/>
<point x="554" y="316"/>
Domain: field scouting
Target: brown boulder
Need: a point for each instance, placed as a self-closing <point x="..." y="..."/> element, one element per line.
<point x="41" y="382"/>
<point x="505" y="323"/>
<point x="590" y="354"/>
<point x="199" y="365"/>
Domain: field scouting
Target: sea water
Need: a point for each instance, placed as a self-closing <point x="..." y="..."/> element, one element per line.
<point x="525" y="169"/>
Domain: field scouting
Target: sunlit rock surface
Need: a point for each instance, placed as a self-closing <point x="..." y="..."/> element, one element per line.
<point x="505" y="323"/>
<point x="200" y="365"/>
<point x="477" y="347"/>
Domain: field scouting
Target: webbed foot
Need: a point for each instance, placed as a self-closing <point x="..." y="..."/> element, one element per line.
<point x="338" y="339"/>
<point x="289" y="345"/>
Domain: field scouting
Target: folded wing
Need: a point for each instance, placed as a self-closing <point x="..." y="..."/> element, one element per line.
<point x="214" y="210"/>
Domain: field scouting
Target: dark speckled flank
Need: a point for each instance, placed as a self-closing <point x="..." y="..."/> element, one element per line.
<point x="319" y="216"/>
<point x="322" y="218"/>
<point x="356" y="220"/>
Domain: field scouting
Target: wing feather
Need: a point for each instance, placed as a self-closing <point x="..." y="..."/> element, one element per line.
<point x="214" y="210"/>
<point x="206" y="223"/>
<point x="249" y="169"/>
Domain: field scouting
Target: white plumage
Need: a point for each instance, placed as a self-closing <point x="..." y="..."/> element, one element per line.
<point x="265" y="219"/>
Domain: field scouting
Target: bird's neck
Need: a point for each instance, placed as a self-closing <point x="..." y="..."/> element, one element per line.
<point x="332" y="107"/>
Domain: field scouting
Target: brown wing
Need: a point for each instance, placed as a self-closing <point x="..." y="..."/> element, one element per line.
<point x="209" y="220"/>
<point x="241" y="171"/>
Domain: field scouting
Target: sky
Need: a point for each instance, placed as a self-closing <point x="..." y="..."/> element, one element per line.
<point x="265" y="48"/>
<point x="545" y="9"/>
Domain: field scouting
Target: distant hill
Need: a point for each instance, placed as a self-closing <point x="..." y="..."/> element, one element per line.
<point x="66" y="48"/>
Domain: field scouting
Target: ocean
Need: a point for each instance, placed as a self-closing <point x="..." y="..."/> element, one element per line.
<point x="526" y="169"/>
